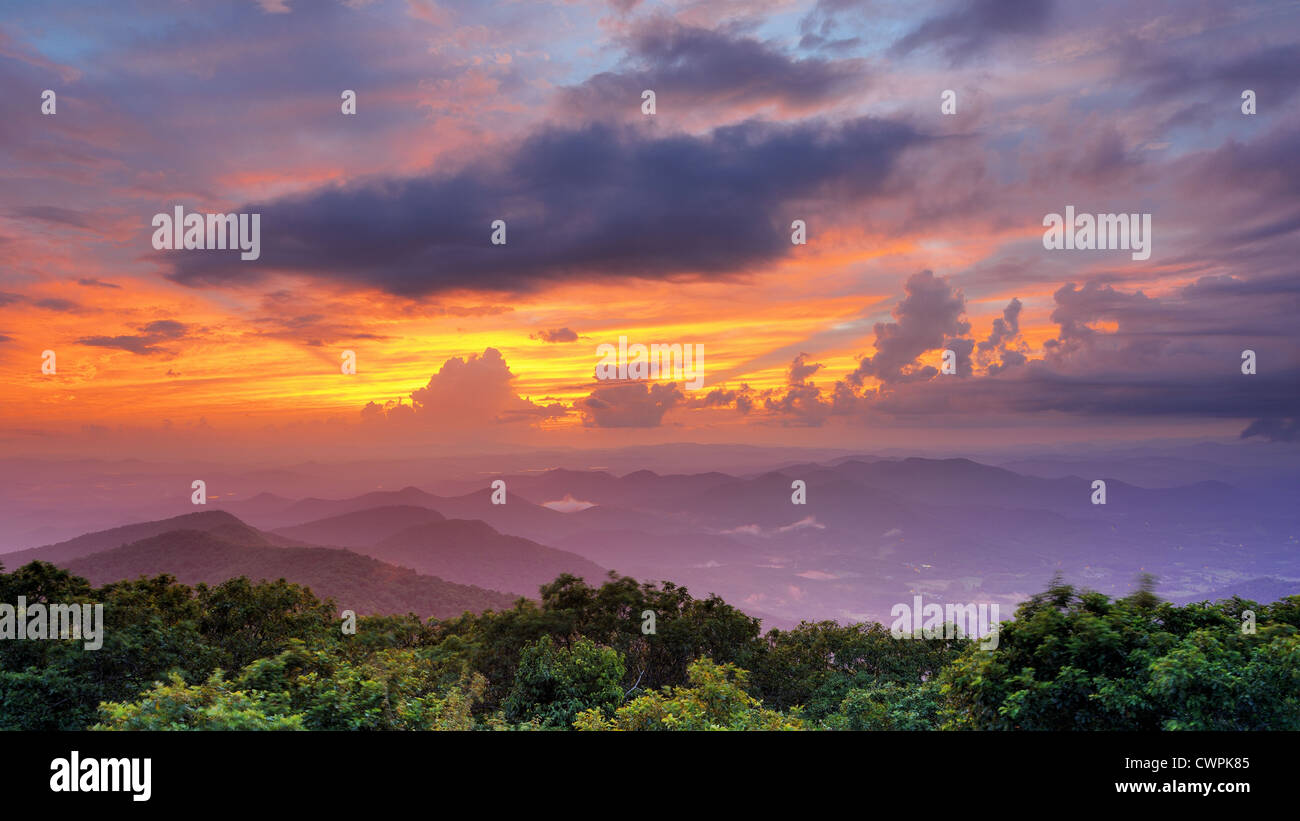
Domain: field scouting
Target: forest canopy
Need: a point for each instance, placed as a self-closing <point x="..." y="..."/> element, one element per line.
<point x="272" y="656"/>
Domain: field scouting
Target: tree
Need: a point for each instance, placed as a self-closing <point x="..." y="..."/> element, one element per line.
<point x="212" y="705"/>
<point x="1079" y="661"/>
<point x="889" y="706"/>
<point x="389" y="689"/>
<point x="817" y="664"/>
<point x="553" y="684"/>
<point x="149" y="630"/>
<point x="1215" y="680"/>
<point x="715" y="700"/>
<point x="492" y="643"/>
<point x="249" y="621"/>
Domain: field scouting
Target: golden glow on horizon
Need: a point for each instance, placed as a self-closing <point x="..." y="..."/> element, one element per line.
<point x="271" y="355"/>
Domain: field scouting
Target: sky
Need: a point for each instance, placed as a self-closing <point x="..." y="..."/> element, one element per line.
<point x="924" y="229"/>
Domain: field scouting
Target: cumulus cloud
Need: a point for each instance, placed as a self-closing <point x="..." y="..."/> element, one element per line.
<point x="928" y="318"/>
<point x="741" y="399"/>
<point x="1077" y="307"/>
<point x="466" y="392"/>
<point x="1125" y="354"/>
<point x="629" y="404"/>
<point x="801" y="369"/>
<point x="799" y="405"/>
<point x="1003" y="348"/>
<point x="1005" y="327"/>
<point x="1116" y="353"/>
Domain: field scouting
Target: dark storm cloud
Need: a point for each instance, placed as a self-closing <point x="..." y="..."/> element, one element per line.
<point x="555" y="335"/>
<point x="1275" y="430"/>
<point x="49" y="213"/>
<point x="595" y="202"/>
<point x="1229" y="285"/>
<point x="1037" y="387"/>
<point x="146" y="343"/>
<point x="1269" y="71"/>
<point x="1116" y="354"/>
<point x="56" y="304"/>
<point x="973" y="26"/>
<point x="689" y="66"/>
<point x="135" y="344"/>
<point x="165" y="329"/>
<point x="1264" y="166"/>
<point x="820" y="28"/>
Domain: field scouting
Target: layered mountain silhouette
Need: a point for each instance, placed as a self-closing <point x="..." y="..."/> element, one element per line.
<point x="361" y="528"/>
<point x="217" y="522"/>
<point x="353" y="581"/>
<point x="464" y="550"/>
<point x="386" y="559"/>
<point x="871" y="532"/>
<point x="307" y="510"/>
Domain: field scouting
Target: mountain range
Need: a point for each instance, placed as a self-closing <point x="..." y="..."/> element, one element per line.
<point x="870" y="532"/>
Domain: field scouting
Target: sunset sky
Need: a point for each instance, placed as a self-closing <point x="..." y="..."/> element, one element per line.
<point x="924" y="229"/>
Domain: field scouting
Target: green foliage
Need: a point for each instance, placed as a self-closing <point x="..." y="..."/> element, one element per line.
<point x="889" y="706"/>
<point x="577" y="658"/>
<point x="389" y="689"/>
<point x="393" y="689"/>
<point x="248" y="621"/>
<point x="609" y="615"/>
<point x="816" y="664"/>
<point x="380" y="632"/>
<point x="150" y="629"/>
<point x="553" y="684"/>
<point x="715" y="700"/>
<point x="1217" y="681"/>
<point x="1079" y="661"/>
<point x="212" y="705"/>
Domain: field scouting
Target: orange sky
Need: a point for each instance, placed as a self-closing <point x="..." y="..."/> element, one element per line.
<point x="233" y="367"/>
<point x="755" y="116"/>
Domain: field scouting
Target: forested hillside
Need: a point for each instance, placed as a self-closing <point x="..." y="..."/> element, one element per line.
<point x="238" y="655"/>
